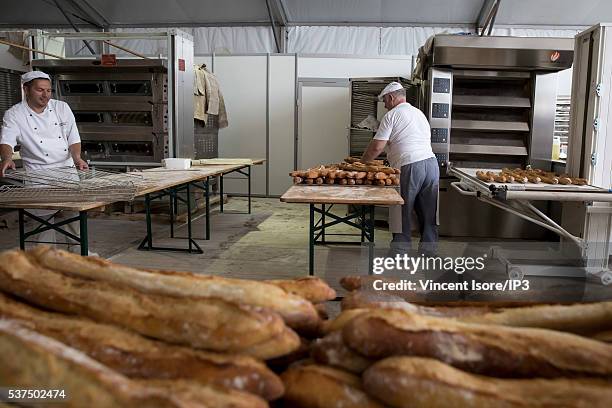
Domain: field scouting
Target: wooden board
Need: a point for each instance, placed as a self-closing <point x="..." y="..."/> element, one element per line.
<point x="332" y="194"/>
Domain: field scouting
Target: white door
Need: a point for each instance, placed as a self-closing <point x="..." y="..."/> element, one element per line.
<point x="323" y="122"/>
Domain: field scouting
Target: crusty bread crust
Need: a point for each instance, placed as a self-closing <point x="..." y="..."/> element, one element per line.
<point x="296" y="311"/>
<point x="206" y="323"/>
<point x="136" y="356"/>
<point x="404" y="382"/>
<point x="484" y="349"/>
<point x="316" y="386"/>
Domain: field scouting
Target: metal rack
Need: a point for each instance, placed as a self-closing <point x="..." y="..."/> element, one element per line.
<point x="364" y="102"/>
<point x="130" y="112"/>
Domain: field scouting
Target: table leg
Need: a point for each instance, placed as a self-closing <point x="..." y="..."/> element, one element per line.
<point x="189" y="236"/>
<point x="171" y="202"/>
<point x="207" y="199"/>
<point x="21" y="229"/>
<point x="249" y="177"/>
<point x="311" y="237"/>
<point x="83" y="233"/>
<point x="149" y="238"/>
<point x="221" y="192"/>
<point x="323" y="224"/>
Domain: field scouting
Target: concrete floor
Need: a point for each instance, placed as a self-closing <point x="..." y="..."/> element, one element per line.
<point x="272" y="242"/>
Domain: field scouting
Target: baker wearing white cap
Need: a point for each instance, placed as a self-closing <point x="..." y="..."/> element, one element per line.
<point x="404" y="134"/>
<point x="45" y="129"/>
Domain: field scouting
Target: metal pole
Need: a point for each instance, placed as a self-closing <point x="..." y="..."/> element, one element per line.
<point x="83" y="233"/>
<point x="207" y="198"/>
<point x="221" y="192"/>
<point x="273" y="26"/>
<point x="21" y="229"/>
<point x="323" y="223"/>
<point x="91" y="50"/>
<point x="148" y="218"/>
<point x="189" y="217"/>
<point x="171" y="195"/>
<point x="311" y="241"/>
<point x="249" y="176"/>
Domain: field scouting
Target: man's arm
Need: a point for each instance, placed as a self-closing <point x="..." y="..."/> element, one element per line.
<point x="75" y="152"/>
<point x="375" y="148"/>
<point x="6" y="152"/>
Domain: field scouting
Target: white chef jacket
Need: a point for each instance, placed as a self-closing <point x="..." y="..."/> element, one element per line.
<point x="44" y="137"/>
<point x="408" y="136"/>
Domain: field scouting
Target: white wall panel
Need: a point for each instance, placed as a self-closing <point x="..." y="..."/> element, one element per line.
<point x="203" y="59"/>
<point x="321" y="67"/>
<point x="9" y="61"/>
<point x="282" y="120"/>
<point x="243" y="83"/>
<point x="323" y="127"/>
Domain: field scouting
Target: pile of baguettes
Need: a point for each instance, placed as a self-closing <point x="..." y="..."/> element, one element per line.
<point x="383" y="351"/>
<point x="351" y="172"/>
<point x="524" y="176"/>
<point x="116" y="336"/>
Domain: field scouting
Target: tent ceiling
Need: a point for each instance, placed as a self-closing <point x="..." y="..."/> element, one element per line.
<point x="41" y="13"/>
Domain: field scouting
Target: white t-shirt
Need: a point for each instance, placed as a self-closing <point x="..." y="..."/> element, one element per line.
<point x="44" y="137"/>
<point x="408" y="135"/>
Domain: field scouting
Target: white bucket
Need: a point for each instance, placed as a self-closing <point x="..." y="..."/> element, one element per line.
<point x="177" y="164"/>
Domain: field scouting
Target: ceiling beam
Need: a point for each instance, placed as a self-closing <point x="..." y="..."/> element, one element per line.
<point x="273" y="25"/>
<point x="97" y="13"/>
<point x="61" y="9"/>
<point x="278" y="9"/>
<point x="485" y="10"/>
<point x="87" y="15"/>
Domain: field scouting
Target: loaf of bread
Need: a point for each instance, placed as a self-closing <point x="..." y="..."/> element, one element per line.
<point x="196" y="393"/>
<point x="331" y="350"/>
<point x="296" y="311"/>
<point x="577" y="318"/>
<point x="582" y="318"/>
<point x="483" y="349"/>
<point x="605" y="336"/>
<point x="139" y="357"/>
<point x="322" y="311"/>
<point x="316" y="386"/>
<point x="33" y="361"/>
<point x="310" y="288"/>
<point x="206" y="323"/>
<point x="411" y="382"/>
<point x="342" y="319"/>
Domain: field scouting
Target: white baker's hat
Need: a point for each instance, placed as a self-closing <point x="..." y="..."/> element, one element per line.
<point x="29" y="76"/>
<point x="392" y="87"/>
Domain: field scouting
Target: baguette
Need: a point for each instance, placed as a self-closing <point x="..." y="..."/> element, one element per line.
<point x="331" y="350"/>
<point x="210" y="323"/>
<point x="319" y="180"/>
<point x="33" y="361"/>
<point x="582" y="318"/>
<point x="212" y="396"/>
<point x="577" y="318"/>
<point x="309" y="181"/>
<point x="321" y="310"/>
<point x="138" y="357"/>
<point x="410" y="382"/>
<point x="482" y="349"/>
<point x="311" y="288"/>
<point x="605" y="336"/>
<point x="316" y="386"/>
<point x="296" y="311"/>
<point x="351" y="182"/>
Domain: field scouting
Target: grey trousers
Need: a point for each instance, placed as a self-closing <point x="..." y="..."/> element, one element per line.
<point x="419" y="184"/>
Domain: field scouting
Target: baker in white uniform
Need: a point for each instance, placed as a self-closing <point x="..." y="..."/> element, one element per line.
<point x="46" y="130"/>
<point x="404" y="134"/>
